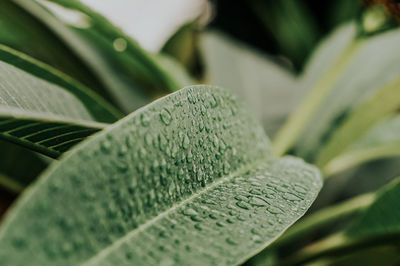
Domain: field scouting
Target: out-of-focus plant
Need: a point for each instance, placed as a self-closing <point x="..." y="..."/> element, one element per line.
<point x="105" y="174"/>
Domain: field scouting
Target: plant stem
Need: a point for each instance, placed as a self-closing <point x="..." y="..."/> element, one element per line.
<point x="326" y="216"/>
<point x="294" y="126"/>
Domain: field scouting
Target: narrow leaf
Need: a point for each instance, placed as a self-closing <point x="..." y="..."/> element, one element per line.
<point x="377" y="225"/>
<point x="23" y="32"/>
<point x="40" y="115"/>
<point x="361" y="119"/>
<point x="98" y="107"/>
<point x="268" y="88"/>
<point x="370" y="67"/>
<point x="382" y="141"/>
<point x="131" y="74"/>
<point x="382" y="217"/>
<point x="328" y="71"/>
<point x="190" y="179"/>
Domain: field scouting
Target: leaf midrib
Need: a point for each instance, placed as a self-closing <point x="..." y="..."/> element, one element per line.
<point x="142" y="227"/>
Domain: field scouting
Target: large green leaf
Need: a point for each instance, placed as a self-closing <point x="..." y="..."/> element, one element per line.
<point x="382" y="141"/>
<point x="42" y="115"/>
<point x="361" y="70"/>
<point x="268" y="88"/>
<point x="188" y="180"/>
<point x="132" y="75"/>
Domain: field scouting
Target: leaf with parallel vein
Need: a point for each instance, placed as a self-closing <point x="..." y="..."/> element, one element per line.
<point x="41" y="115"/>
<point x="188" y="180"/>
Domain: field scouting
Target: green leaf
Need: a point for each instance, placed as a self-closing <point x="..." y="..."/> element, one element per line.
<point x="291" y="25"/>
<point x="377" y="225"/>
<point x="14" y="177"/>
<point x="369" y="66"/>
<point x="41" y="115"/>
<point x="21" y="31"/>
<point x="131" y="74"/>
<point x="317" y="81"/>
<point x="382" y="217"/>
<point x="189" y="179"/>
<point x="268" y="88"/>
<point x="361" y="119"/>
<point x="99" y="109"/>
<point x="382" y="141"/>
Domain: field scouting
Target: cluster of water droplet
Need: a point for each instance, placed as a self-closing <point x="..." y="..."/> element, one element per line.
<point x="225" y="222"/>
<point x="131" y="173"/>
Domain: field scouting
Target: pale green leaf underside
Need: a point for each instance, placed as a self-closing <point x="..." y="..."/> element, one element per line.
<point x="382" y="141"/>
<point x="41" y="115"/>
<point x="268" y="88"/>
<point x="154" y="188"/>
<point x="371" y="67"/>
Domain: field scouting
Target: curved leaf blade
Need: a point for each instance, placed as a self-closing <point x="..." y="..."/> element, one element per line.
<point x="23" y="32"/>
<point x="382" y="217"/>
<point x="40" y="115"/>
<point x="370" y="67"/>
<point x="163" y="162"/>
<point x="381" y="104"/>
<point x="381" y="141"/>
<point x="252" y="75"/>
<point x="99" y="109"/>
<point x="132" y="75"/>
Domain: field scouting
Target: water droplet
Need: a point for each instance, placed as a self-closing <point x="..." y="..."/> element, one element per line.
<point x="220" y="224"/>
<point x="243" y="205"/>
<point x="123" y="150"/>
<point x="274" y="210"/>
<point x="226" y="168"/>
<point x="120" y="44"/>
<point x="300" y="189"/>
<point x="185" y="141"/>
<point x="189" y="212"/>
<point x="258" y="201"/>
<point x="242" y="198"/>
<point x="163" y="142"/>
<point x="229" y="221"/>
<point x="144" y="119"/>
<point x="165" y="116"/>
<point x="255" y="231"/>
<point x="105" y="146"/>
<point x="213" y="101"/>
<point x="256" y="239"/>
<point x="291" y="197"/>
<point x="198" y="227"/>
<point x="230" y="241"/>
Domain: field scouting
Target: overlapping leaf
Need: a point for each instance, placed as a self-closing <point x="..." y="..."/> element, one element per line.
<point x="383" y="140"/>
<point x="268" y="88"/>
<point x="18" y="166"/>
<point x="41" y="115"/>
<point x="190" y="179"/>
<point x="132" y="76"/>
<point x="361" y="70"/>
